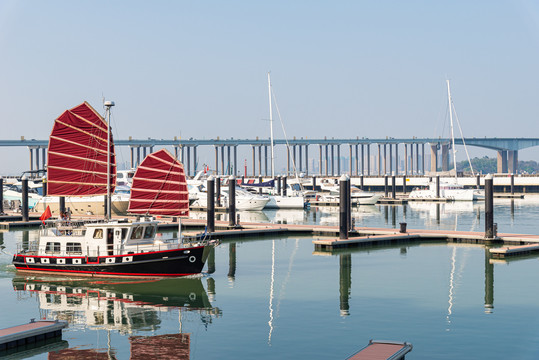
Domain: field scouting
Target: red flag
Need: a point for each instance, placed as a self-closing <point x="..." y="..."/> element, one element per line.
<point x="47" y="214"/>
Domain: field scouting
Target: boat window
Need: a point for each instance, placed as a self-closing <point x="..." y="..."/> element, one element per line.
<point x="73" y="248"/>
<point x="148" y="233"/>
<point x="124" y="233"/>
<point x="52" y="247"/>
<point x="98" y="234"/>
<point x="137" y="232"/>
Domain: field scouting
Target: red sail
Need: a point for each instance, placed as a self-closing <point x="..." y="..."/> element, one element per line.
<point x="77" y="156"/>
<point x="159" y="186"/>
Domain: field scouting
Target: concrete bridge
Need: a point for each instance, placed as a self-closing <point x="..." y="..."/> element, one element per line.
<point x="385" y="158"/>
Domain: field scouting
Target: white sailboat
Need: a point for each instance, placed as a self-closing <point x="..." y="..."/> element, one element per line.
<point x="292" y="200"/>
<point x="449" y="190"/>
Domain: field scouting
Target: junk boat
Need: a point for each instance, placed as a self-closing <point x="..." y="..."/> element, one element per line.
<point x="114" y="247"/>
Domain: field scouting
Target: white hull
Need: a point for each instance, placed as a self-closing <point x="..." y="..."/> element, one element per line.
<point x="247" y="203"/>
<point x="450" y="194"/>
<point x="86" y="205"/>
<point x="370" y="199"/>
<point x="285" y="202"/>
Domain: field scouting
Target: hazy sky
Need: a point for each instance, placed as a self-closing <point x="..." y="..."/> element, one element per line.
<point x="339" y="68"/>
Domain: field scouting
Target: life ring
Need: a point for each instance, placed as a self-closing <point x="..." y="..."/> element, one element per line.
<point x="192" y="259"/>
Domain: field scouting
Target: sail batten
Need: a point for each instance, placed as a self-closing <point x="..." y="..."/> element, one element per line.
<point x="77" y="155"/>
<point x="159" y="186"/>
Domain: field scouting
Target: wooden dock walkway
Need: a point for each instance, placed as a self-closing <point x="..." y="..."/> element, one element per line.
<point x="30" y="333"/>
<point x="383" y="350"/>
<point x="326" y="237"/>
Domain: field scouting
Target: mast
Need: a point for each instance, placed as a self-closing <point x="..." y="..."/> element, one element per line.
<point x="271" y="129"/>
<point x="452" y="134"/>
<point x="108" y="105"/>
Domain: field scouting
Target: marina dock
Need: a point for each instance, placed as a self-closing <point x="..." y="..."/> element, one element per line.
<point x="29" y="334"/>
<point x="383" y="350"/>
<point x="326" y="237"/>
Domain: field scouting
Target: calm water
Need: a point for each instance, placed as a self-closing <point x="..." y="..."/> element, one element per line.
<point x="277" y="298"/>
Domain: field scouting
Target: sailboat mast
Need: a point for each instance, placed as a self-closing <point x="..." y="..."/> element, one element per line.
<point x="271" y="129"/>
<point x="452" y="133"/>
<point x="108" y="105"/>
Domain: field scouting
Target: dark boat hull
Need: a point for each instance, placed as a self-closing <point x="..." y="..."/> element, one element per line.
<point x="168" y="263"/>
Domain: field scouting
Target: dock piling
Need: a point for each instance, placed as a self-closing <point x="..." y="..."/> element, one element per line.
<point x="211" y="204"/>
<point x="512" y="184"/>
<point x="1" y="195"/>
<point x="386" y="188"/>
<point x="218" y="191"/>
<point x="343" y="208"/>
<point x="404" y="184"/>
<point x="437" y="186"/>
<point x="232" y="201"/>
<point x="489" y="207"/>
<point x="24" y="203"/>
<point x="393" y="187"/>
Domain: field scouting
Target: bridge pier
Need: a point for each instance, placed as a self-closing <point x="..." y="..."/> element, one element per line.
<point x="306" y="159"/>
<point x="412" y="159"/>
<point x="405" y="159"/>
<point x="433" y="157"/>
<point x="445" y="157"/>
<point x="502" y="162"/>
<point x="368" y="159"/>
<point x="513" y="161"/>
<point x="338" y="159"/>
<point x="397" y="159"/>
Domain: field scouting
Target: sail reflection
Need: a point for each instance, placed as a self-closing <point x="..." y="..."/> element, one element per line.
<point x="123" y="305"/>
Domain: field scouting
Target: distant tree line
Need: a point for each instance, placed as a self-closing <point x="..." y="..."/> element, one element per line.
<point x="486" y="165"/>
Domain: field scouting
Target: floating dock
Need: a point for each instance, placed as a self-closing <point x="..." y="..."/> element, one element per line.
<point x="383" y="350"/>
<point x="326" y="237"/>
<point x="31" y="333"/>
<point x="507" y="251"/>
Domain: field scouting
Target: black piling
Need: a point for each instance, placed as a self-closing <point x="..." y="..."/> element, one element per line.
<point x="232" y="201"/>
<point x="1" y="195"/>
<point x="260" y="188"/>
<point x="44" y="186"/>
<point x="24" y="204"/>
<point x="278" y="179"/>
<point x="343" y="208"/>
<point x="437" y="186"/>
<point x="489" y="208"/>
<point x="349" y="200"/>
<point x="404" y="184"/>
<point x="217" y="191"/>
<point x="478" y="181"/>
<point x="284" y="185"/>
<point x="314" y="183"/>
<point x="386" y="187"/>
<point x="393" y="188"/>
<point x="210" y="212"/>
<point x="512" y="184"/>
<point x="361" y="182"/>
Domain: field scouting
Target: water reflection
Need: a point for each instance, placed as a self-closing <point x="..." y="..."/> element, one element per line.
<point x="127" y="306"/>
<point x="458" y="259"/>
